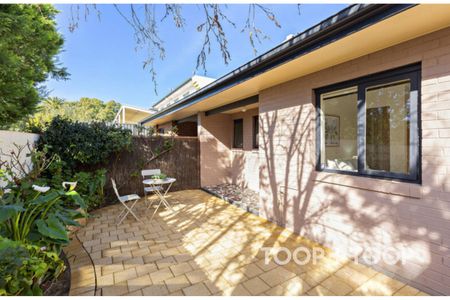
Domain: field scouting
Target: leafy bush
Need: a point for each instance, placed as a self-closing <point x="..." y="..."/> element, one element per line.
<point x="90" y="186"/>
<point x="84" y="144"/>
<point x="23" y="268"/>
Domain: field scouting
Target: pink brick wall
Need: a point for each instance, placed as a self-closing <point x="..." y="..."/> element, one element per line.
<point x="215" y="144"/>
<point x="245" y="161"/>
<point x="348" y="212"/>
<point x="219" y="162"/>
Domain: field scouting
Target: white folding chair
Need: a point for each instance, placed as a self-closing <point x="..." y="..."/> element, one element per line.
<point x="123" y="199"/>
<point x="150" y="189"/>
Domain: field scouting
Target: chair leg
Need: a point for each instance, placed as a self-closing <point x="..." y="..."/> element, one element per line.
<point x="129" y="210"/>
<point x="150" y="204"/>
<point x="121" y="212"/>
<point x="123" y="218"/>
<point x="157" y="207"/>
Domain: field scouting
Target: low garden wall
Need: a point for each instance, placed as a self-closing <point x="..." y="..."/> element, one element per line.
<point x="8" y="142"/>
<point x="180" y="161"/>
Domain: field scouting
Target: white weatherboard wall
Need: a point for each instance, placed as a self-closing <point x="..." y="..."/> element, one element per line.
<point x="8" y="140"/>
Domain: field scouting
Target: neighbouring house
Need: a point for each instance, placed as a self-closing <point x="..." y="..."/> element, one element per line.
<point x="132" y="115"/>
<point x="129" y="115"/>
<point x="344" y="131"/>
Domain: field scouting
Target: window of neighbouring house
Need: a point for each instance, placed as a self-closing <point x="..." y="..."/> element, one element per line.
<point x="238" y="134"/>
<point x="369" y="126"/>
<point x="255" y="132"/>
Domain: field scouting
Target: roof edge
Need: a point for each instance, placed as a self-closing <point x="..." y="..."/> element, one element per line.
<point x="335" y="27"/>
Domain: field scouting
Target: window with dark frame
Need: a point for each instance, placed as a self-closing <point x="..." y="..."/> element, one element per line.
<point x="370" y="126"/>
<point x="255" y="132"/>
<point x="238" y="134"/>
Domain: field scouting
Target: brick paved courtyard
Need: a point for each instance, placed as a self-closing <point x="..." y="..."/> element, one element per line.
<point x="206" y="247"/>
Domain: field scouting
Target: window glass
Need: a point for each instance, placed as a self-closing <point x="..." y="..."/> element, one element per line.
<point x="387" y="127"/>
<point x="238" y="132"/>
<point x="255" y="132"/>
<point x="339" y="116"/>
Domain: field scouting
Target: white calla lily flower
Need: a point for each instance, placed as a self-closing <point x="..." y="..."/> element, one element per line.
<point x="41" y="189"/>
<point x="71" y="184"/>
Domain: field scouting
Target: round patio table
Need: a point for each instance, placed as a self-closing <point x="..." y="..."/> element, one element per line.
<point x="158" y="187"/>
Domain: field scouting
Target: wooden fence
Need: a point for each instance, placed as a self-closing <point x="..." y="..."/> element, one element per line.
<point x="180" y="162"/>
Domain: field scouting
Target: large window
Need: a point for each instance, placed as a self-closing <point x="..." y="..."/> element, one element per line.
<point x="238" y="134"/>
<point x="370" y="126"/>
<point x="255" y="132"/>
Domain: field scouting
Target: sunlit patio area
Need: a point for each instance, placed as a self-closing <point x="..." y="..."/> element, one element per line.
<point x="206" y="247"/>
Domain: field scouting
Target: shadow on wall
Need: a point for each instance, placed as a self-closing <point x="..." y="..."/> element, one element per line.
<point x="351" y="220"/>
<point x="238" y="166"/>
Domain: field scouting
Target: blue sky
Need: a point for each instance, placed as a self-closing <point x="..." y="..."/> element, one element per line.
<point x="103" y="61"/>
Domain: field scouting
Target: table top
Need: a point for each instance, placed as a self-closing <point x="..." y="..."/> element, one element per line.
<point x="159" y="181"/>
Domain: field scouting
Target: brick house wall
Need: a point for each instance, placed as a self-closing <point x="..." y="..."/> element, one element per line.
<point x="348" y="212"/>
<point x="220" y="163"/>
<point x="245" y="161"/>
<point x="215" y="148"/>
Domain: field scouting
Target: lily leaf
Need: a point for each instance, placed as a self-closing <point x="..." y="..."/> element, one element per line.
<point x="67" y="220"/>
<point x="53" y="229"/>
<point x="44" y="198"/>
<point x="7" y="211"/>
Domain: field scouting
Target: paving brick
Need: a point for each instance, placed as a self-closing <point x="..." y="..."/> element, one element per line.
<point x="276" y="276"/>
<point x="103" y="281"/>
<point x="177" y="283"/>
<point x="351" y="276"/>
<point x="256" y="286"/>
<point x="115" y="290"/>
<point x="179" y="269"/>
<point x="407" y="291"/>
<point x="165" y="262"/>
<point x="139" y="283"/>
<point x="198" y="289"/>
<point x="238" y="290"/>
<point x="146" y="269"/>
<point x="124" y="275"/>
<point x="196" y="276"/>
<point x="111" y="268"/>
<point x="293" y="287"/>
<point x="155" y="290"/>
<point x="320" y="291"/>
<point x="161" y="275"/>
<point x="337" y="286"/>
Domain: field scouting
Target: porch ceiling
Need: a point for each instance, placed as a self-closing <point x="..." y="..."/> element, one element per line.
<point x="409" y="24"/>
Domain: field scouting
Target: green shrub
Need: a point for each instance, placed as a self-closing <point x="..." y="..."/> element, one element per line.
<point x="23" y="268"/>
<point x="84" y="144"/>
<point x="90" y="186"/>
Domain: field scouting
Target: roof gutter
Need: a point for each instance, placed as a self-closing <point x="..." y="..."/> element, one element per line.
<point x="344" y="23"/>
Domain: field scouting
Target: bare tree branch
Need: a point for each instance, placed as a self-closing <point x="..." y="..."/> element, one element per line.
<point x="142" y="19"/>
<point x="213" y="27"/>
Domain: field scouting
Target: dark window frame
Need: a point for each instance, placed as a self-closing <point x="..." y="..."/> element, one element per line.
<point x="235" y="121"/>
<point x="410" y="72"/>
<point x="255" y="131"/>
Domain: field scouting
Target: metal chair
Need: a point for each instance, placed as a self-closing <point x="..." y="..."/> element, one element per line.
<point x="123" y="199"/>
<point x="150" y="189"/>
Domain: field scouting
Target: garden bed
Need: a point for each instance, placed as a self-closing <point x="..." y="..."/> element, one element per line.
<point x="244" y="198"/>
<point x="60" y="286"/>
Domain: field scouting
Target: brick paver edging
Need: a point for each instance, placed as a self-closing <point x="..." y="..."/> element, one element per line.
<point x="83" y="277"/>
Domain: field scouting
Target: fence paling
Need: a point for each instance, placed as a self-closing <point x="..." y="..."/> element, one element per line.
<point x="180" y="162"/>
